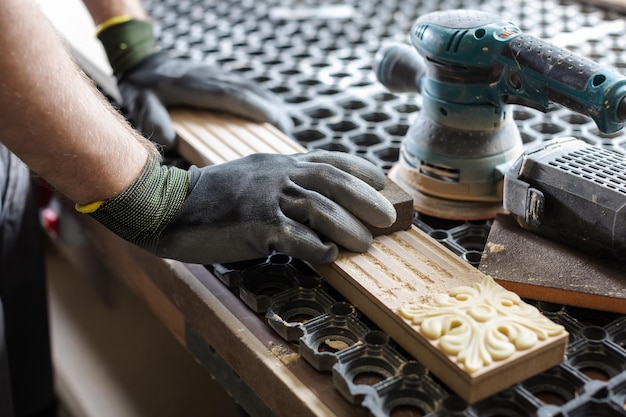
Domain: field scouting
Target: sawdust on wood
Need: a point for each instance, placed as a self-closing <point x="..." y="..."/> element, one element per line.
<point x="283" y="353"/>
<point x="495" y="247"/>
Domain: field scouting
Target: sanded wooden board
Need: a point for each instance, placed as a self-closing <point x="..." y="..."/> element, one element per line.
<point x="453" y="304"/>
<point x="408" y="284"/>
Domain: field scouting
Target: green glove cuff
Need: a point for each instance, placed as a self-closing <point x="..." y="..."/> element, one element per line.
<point x="126" y="43"/>
<point x="141" y="213"/>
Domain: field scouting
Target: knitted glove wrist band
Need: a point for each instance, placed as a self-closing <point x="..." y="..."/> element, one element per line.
<point x="141" y="212"/>
<point x="126" y="43"/>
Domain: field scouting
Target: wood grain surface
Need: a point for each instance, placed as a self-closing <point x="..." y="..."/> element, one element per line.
<point x="400" y="269"/>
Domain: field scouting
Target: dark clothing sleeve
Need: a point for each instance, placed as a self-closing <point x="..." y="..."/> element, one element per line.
<point x="24" y="343"/>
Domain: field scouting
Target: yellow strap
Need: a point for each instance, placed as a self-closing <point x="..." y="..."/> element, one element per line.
<point x="112" y="21"/>
<point x="88" y="208"/>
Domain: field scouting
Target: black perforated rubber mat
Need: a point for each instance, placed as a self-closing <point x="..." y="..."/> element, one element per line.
<point x="317" y="56"/>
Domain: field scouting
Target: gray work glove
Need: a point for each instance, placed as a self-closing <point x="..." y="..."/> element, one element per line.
<point x="150" y="81"/>
<point x="302" y="205"/>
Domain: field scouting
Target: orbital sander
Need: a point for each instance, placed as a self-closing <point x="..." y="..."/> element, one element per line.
<point x="469" y="67"/>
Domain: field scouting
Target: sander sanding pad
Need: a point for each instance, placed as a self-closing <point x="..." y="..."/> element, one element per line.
<point x="542" y="269"/>
<point x="446" y="208"/>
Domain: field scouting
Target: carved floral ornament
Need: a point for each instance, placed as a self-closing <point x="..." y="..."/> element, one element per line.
<point x="481" y="324"/>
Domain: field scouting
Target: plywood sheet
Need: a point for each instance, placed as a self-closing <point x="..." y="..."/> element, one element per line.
<point x="539" y="268"/>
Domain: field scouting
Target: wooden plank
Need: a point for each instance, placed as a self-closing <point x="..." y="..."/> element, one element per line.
<point x="408" y="271"/>
<point x="207" y="138"/>
<point x="113" y="358"/>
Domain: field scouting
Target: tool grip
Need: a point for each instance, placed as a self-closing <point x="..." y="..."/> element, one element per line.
<point x="551" y="61"/>
<point x="546" y="73"/>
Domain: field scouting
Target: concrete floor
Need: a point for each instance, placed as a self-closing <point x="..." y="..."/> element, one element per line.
<point x="116" y="359"/>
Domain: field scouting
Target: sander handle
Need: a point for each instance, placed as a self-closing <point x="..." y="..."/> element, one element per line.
<point x="543" y="73"/>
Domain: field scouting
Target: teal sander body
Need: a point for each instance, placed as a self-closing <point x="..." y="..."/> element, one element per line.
<point x="468" y="67"/>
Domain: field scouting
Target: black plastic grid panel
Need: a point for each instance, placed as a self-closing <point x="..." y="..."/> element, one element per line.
<point x="591" y="381"/>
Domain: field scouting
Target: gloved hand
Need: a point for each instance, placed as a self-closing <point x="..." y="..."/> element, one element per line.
<point x="301" y="205"/>
<point x="151" y="81"/>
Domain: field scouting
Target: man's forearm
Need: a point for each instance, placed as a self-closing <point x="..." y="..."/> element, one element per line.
<point x="52" y="116"/>
<point x="102" y="10"/>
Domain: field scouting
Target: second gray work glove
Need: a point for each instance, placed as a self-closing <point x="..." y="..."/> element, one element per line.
<point x="302" y="205"/>
<point x="150" y="81"/>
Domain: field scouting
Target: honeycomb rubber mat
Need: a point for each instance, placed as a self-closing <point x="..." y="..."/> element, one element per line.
<point x="371" y="371"/>
<point x="317" y="57"/>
